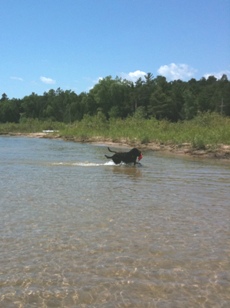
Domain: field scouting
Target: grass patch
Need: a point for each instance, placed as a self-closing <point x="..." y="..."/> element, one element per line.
<point x="206" y="130"/>
<point x="30" y="126"/>
<point x="198" y="143"/>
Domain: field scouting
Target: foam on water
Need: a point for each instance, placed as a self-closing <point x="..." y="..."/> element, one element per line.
<point x="91" y="164"/>
<point x="84" y="164"/>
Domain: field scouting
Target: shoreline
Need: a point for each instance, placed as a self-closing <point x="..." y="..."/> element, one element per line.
<point x="222" y="152"/>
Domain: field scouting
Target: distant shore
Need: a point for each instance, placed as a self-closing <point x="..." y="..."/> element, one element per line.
<point x="221" y="152"/>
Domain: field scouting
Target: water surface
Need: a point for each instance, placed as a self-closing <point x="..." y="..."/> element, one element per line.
<point x="78" y="231"/>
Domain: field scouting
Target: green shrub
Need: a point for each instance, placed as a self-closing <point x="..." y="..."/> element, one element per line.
<point x="198" y="143"/>
<point x="208" y="129"/>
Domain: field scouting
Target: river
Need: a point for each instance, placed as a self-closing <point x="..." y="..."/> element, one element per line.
<point x="78" y="231"/>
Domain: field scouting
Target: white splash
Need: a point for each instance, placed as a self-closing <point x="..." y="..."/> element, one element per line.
<point x="84" y="164"/>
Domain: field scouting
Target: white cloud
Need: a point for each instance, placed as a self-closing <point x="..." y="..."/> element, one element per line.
<point x="98" y="80"/>
<point x="93" y="82"/>
<point x="176" y="71"/>
<point x="133" y="76"/>
<point x="218" y="75"/>
<point x="16" y="78"/>
<point x="47" y="80"/>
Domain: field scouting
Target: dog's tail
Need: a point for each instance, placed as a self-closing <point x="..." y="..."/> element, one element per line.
<point x="108" y="156"/>
<point x="111" y="151"/>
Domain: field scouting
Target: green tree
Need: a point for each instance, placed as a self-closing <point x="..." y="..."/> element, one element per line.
<point x="31" y="106"/>
<point x="190" y="106"/>
<point x="10" y="111"/>
<point x="4" y="98"/>
<point x="159" y="105"/>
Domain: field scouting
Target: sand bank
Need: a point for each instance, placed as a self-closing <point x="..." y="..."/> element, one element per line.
<point x="222" y="151"/>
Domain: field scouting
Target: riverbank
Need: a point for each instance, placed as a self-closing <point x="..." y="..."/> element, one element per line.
<point x="221" y="151"/>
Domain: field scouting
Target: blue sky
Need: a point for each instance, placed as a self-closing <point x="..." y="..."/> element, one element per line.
<point x="70" y="44"/>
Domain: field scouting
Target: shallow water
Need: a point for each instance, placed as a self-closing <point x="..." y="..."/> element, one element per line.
<point x="78" y="231"/>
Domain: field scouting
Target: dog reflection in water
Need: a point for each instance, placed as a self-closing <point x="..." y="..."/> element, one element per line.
<point x="126" y="157"/>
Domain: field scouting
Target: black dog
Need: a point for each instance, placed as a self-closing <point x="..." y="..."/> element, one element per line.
<point x="126" y="157"/>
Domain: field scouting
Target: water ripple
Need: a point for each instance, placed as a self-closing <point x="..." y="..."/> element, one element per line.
<point x="79" y="231"/>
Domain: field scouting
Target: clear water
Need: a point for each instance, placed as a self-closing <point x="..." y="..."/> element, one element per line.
<point x="78" y="231"/>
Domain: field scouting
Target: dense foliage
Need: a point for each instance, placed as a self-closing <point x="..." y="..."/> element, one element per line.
<point x="119" y="98"/>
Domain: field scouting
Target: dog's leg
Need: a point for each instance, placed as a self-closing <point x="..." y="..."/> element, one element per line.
<point x="115" y="159"/>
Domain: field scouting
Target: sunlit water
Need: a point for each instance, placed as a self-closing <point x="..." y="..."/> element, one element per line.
<point x="78" y="231"/>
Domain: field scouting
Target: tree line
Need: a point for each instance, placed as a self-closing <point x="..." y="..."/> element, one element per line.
<point x="120" y="98"/>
